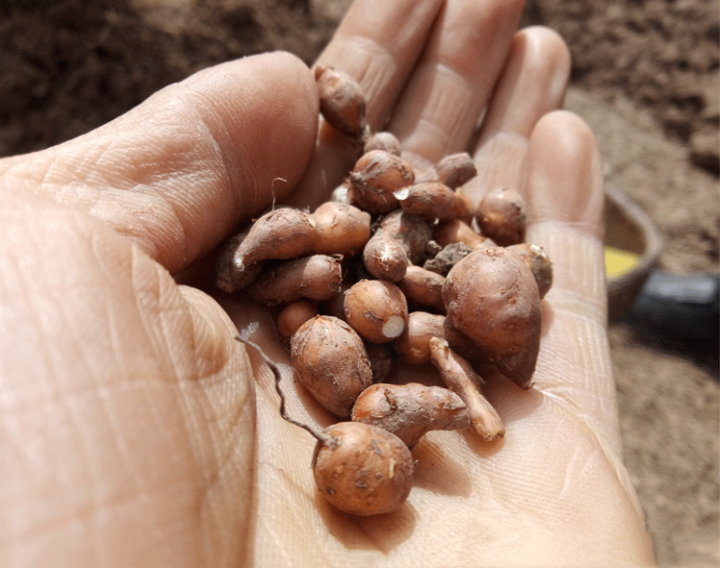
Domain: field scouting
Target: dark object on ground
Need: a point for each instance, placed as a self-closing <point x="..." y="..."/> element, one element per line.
<point x="680" y="313"/>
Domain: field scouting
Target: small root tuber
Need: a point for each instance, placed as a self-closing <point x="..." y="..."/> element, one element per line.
<point x="330" y="359"/>
<point x="459" y="376"/>
<point x="537" y="260"/>
<point x="399" y="239"/>
<point x="423" y="288"/>
<point x="315" y="277"/>
<point x="376" y="177"/>
<point x="457" y="231"/>
<point x="410" y="410"/>
<point x="342" y="102"/>
<point x="341" y="229"/>
<point x="455" y="170"/>
<point x="362" y="469"/>
<point x="501" y="216"/>
<point x="434" y="201"/>
<point x="376" y="309"/>
<point x="293" y="315"/>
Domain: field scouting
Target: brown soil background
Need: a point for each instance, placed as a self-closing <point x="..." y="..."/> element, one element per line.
<point x="645" y="77"/>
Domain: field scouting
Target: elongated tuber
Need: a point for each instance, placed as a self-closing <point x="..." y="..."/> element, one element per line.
<point x="413" y="346"/>
<point x="342" y="102"/>
<point x="315" y="277"/>
<point x="457" y="231"/>
<point x="434" y="201"/>
<point x="330" y="359"/>
<point x="399" y="239"/>
<point x="537" y="260"/>
<point x="281" y="234"/>
<point x="459" y="376"/>
<point x="410" y="410"/>
<point x="423" y="288"/>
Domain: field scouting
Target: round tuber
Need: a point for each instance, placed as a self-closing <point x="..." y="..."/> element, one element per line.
<point x="362" y="470"/>
<point x="376" y="309"/>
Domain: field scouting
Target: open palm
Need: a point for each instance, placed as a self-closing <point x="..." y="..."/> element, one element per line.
<point x="135" y="431"/>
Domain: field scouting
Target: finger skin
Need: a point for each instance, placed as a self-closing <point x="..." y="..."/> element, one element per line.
<point x="178" y="172"/>
<point x="565" y="216"/>
<point x="448" y="91"/>
<point x="127" y="412"/>
<point x="533" y="83"/>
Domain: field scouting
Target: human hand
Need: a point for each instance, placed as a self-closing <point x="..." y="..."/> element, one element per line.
<point x="136" y="431"/>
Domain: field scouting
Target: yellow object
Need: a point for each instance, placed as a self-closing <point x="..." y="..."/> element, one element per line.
<point x="618" y="261"/>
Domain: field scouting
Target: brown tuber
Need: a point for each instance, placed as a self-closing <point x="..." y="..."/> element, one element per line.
<point x="399" y="239"/>
<point x="377" y="310"/>
<point x="410" y="410"/>
<point x="455" y="170"/>
<point x="459" y="376"/>
<point x="423" y="288"/>
<point x="376" y="177"/>
<point x="293" y="315"/>
<point x="382" y="141"/>
<point x="413" y="346"/>
<point x="457" y="231"/>
<point x="281" y="234"/>
<point x="491" y="296"/>
<point x="330" y="359"/>
<point x="537" y="260"/>
<point x="434" y="201"/>
<point x="362" y="469"/>
<point x="340" y="229"/>
<point x="342" y="102"/>
<point x="315" y="277"/>
<point x="501" y="216"/>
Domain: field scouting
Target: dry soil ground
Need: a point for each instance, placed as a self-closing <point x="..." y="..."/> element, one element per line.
<point x="645" y="76"/>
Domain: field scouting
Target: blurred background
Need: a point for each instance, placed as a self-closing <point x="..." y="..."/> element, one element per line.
<point x="646" y="78"/>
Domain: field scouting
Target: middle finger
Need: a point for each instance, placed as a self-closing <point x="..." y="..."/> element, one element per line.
<point x="440" y="106"/>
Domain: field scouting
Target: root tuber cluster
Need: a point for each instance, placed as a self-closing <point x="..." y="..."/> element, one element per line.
<point x="398" y="267"/>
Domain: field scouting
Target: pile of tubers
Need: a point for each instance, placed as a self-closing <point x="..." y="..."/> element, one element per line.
<point x="397" y="266"/>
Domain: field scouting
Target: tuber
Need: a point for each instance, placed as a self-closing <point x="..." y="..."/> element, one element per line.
<point x="433" y="201"/>
<point x="293" y="315"/>
<point x="537" y="260"/>
<point x="455" y="170"/>
<point x="330" y="360"/>
<point x="362" y="469"/>
<point x="459" y="376"/>
<point x="399" y="239"/>
<point x="410" y="410"/>
<point x="491" y="296"/>
<point x="342" y="102"/>
<point x="340" y="229"/>
<point x="457" y="231"/>
<point x="376" y="177"/>
<point x="413" y="346"/>
<point x="501" y="216"/>
<point x="314" y="277"/>
<point x="377" y="310"/>
<point x="423" y="288"/>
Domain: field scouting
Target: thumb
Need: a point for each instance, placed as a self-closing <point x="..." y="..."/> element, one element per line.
<point x="178" y="172"/>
